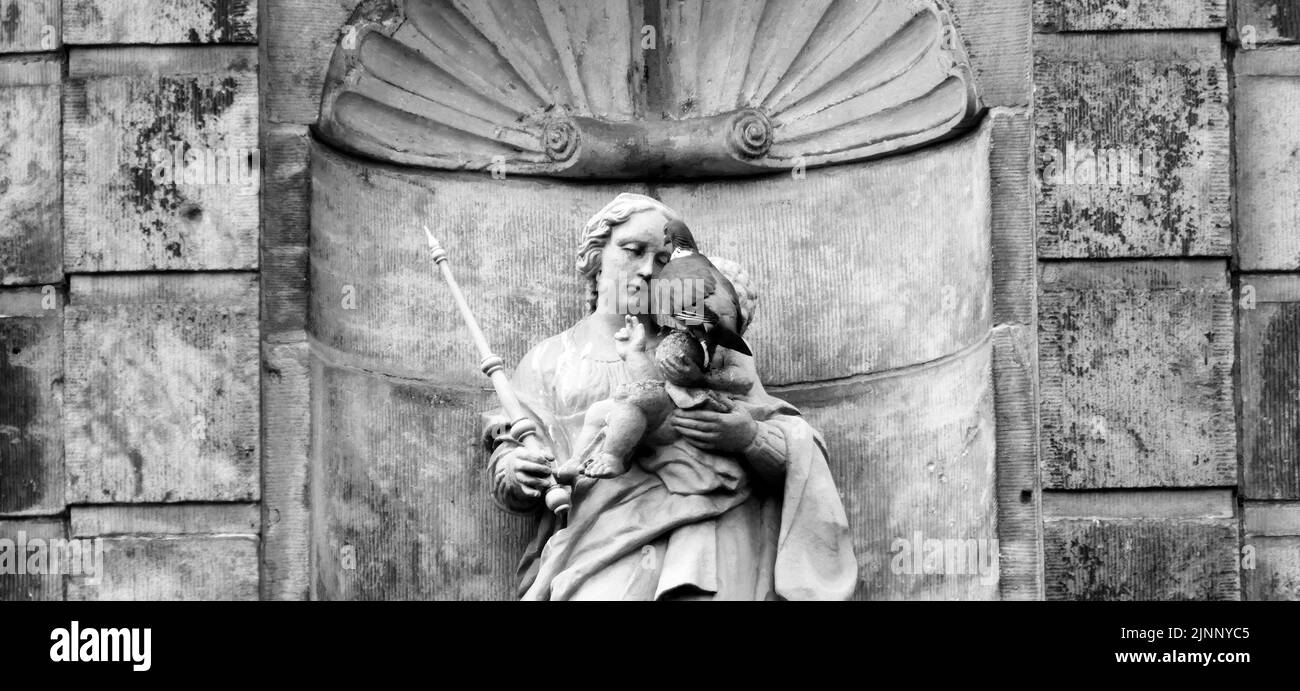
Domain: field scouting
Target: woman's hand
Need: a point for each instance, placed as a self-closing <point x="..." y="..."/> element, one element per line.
<point x="730" y="430"/>
<point x="527" y="471"/>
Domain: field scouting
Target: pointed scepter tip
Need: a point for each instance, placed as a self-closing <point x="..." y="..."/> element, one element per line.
<point x="435" y="248"/>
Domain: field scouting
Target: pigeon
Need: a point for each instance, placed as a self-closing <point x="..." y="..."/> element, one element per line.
<point x="713" y="313"/>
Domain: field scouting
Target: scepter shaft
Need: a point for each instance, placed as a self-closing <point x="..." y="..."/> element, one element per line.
<point x="522" y="427"/>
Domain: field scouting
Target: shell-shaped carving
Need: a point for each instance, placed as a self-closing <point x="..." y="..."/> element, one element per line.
<point x="632" y="88"/>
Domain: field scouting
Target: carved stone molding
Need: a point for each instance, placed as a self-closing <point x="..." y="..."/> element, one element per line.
<point x="644" y="88"/>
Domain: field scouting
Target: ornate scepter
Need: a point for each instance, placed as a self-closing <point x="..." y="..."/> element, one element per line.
<point x="522" y="427"/>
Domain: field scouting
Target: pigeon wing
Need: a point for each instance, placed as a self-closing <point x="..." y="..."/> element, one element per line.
<point x="681" y="288"/>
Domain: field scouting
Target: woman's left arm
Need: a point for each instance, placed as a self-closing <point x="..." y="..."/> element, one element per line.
<point x="768" y="453"/>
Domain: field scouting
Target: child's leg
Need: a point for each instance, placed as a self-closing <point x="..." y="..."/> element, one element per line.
<point x="593" y="425"/>
<point x="624" y="426"/>
<point x="645" y="408"/>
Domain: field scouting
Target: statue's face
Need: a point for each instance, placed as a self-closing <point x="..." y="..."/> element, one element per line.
<point x="635" y="253"/>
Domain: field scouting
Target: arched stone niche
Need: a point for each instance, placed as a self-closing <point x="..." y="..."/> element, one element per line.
<point x="875" y="272"/>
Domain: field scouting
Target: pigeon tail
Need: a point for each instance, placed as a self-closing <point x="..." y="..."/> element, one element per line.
<point x="727" y="338"/>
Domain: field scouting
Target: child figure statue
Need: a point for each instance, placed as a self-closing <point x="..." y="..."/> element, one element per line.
<point x="671" y="376"/>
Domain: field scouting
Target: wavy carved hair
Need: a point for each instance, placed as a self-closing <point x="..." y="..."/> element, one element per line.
<point x="596" y="233"/>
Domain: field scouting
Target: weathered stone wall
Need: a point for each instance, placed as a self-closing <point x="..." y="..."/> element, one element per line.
<point x="144" y="450"/>
<point x="1168" y="377"/>
<point x="1266" y="64"/>
<point x="298" y="38"/>
<point x="1145" y="277"/>
<point x="129" y="224"/>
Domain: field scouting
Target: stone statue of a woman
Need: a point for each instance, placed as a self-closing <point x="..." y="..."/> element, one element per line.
<point x="730" y="503"/>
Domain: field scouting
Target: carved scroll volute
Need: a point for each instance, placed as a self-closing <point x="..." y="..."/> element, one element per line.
<point x="549" y="90"/>
<point x="749" y="133"/>
<point x="727" y="144"/>
<point x="560" y="140"/>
